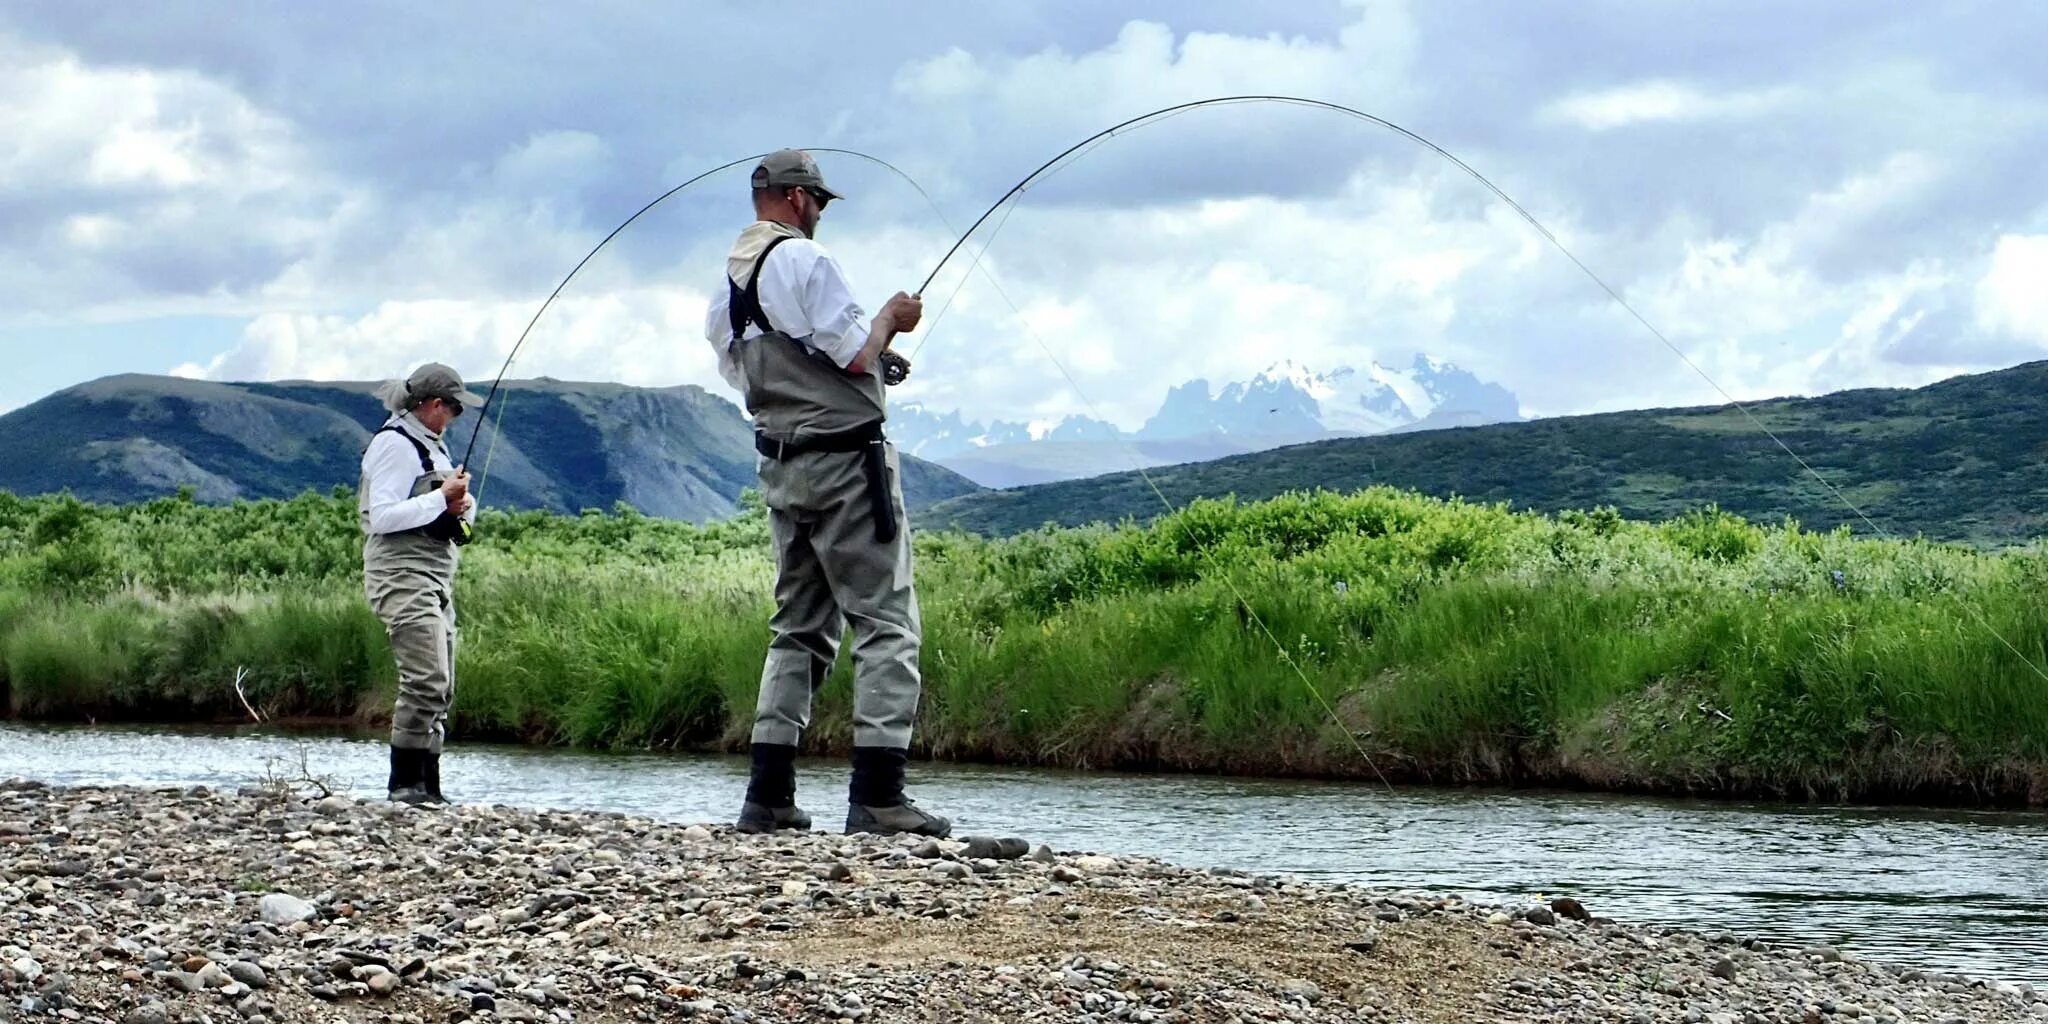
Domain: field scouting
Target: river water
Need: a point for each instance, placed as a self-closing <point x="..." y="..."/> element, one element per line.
<point x="1951" y="890"/>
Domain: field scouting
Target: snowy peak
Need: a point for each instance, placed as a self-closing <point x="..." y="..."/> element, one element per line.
<point x="1285" y="403"/>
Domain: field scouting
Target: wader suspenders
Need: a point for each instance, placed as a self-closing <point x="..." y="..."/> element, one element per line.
<point x="744" y="304"/>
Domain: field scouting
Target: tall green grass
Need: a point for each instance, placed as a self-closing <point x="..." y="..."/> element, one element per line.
<point x="1378" y="632"/>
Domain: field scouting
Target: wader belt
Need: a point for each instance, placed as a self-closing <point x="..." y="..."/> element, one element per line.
<point x="445" y="526"/>
<point x="872" y="445"/>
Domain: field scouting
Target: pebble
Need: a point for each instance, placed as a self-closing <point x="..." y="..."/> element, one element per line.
<point x="248" y="974"/>
<point x="279" y="908"/>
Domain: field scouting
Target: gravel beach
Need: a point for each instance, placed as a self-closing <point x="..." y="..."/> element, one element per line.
<point x="151" y="906"/>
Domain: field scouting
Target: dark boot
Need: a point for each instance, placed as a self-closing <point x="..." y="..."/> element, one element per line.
<point x="771" y="792"/>
<point x="875" y="800"/>
<point x="431" y="778"/>
<point x="408" y="783"/>
<point x="760" y="819"/>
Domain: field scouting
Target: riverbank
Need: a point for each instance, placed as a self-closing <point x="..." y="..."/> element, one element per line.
<point x="139" y="906"/>
<point x="154" y="906"/>
<point x="1364" y="636"/>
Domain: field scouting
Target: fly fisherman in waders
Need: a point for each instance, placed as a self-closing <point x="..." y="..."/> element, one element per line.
<point x="416" y="513"/>
<point x="791" y="338"/>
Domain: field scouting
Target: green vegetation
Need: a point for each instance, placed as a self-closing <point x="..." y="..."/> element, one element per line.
<point x="1353" y="635"/>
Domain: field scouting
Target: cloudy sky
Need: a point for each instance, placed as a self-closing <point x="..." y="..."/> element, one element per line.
<point x="1802" y="197"/>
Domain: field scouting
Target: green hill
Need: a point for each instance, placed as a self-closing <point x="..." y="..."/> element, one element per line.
<point x="676" y="452"/>
<point x="1957" y="460"/>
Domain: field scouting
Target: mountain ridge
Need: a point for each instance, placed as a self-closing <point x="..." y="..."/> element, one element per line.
<point x="678" y="452"/>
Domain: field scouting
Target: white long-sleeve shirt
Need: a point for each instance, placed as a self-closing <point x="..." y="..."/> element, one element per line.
<point x="805" y="295"/>
<point x="391" y="465"/>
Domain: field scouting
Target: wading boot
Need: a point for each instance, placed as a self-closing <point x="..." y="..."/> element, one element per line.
<point x="875" y="800"/>
<point x="430" y="779"/>
<point x="770" y="805"/>
<point x="761" y="819"/>
<point x="408" y="784"/>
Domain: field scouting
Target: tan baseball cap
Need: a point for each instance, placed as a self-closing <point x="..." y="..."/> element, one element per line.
<point x="436" y="380"/>
<point x="791" y="168"/>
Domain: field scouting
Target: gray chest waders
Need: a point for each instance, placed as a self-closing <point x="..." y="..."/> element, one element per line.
<point x="744" y="306"/>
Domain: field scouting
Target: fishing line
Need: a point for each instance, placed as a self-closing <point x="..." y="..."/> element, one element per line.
<point x="1082" y="148"/>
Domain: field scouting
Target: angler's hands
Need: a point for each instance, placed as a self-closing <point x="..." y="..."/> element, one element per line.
<point x="903" y="312"/>
<point x="455" y="491"/>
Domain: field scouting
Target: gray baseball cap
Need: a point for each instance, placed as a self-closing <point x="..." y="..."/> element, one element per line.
<point x="436" y="380"/>
<point x="791" y="168"/>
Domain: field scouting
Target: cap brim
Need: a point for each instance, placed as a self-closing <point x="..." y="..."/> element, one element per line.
<point x="470" y="399"/>
<point x="829" y="194"/>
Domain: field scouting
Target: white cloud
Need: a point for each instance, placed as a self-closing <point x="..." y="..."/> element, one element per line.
<point x="2012" y="296"/>
<point x="1659" y="100"/>
<point x="1760" y="321"/>
<point x="646" y="336"/>
<point x="133" y="128"/>
<point x="987" y="110"/>
<point x="551" y="160"/>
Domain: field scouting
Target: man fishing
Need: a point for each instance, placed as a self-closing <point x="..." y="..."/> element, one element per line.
<point x="416" y="511"/>
<point x="791" y="338"/>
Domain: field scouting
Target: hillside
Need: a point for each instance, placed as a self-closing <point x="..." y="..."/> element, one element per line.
<point x="1956" y="460"/>
<point x="676" y="452"/>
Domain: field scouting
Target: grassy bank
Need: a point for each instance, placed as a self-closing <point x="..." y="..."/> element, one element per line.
<point x="1452" y="642"/>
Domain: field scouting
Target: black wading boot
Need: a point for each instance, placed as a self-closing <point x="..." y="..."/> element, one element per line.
<point x="771" y="792"/>
<point x="431" y="779"/>
<point x="875" y="800"/>
<point x="408" y="783"/>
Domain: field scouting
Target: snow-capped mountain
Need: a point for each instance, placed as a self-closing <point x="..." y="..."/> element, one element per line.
<point x="1429" y="393"/>
<point x="1287" y="403"/>
<point x="930" y="434"/>
<point x="1289" y="399"/>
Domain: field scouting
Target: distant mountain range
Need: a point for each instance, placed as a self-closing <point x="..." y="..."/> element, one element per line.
<point x="1285" y="404"/>
<point x="1964" y="459"/>
<point x="677" y="452"/>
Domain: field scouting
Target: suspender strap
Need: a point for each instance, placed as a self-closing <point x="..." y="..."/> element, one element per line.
<point x="744" y="304"/>
<point x="426" y="458"/>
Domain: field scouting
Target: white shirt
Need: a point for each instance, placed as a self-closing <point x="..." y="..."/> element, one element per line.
<point x="391" y="465"/>
<point x="805" y="295"/>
